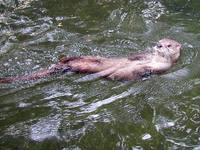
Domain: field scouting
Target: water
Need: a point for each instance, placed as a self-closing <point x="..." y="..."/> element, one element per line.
<point x="60" y="113"/>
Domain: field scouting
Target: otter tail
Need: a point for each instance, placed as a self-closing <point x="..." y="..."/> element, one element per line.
<point x="7" y="80"/>
<point x="58" y="68"/>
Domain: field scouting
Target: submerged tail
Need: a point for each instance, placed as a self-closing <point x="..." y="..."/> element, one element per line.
<point x="58" y="68"/>
<point x="6" y="80"/>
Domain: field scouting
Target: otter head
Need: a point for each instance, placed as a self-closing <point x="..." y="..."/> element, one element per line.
<point x="168" y="48"/>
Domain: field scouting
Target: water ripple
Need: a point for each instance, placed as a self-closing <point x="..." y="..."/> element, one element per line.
<point x="45" y="128"/>
<point x="61" y="113"/>
<point x="94" y="106"/>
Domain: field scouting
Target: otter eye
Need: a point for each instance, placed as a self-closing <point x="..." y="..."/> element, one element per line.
<point x="169" y="45"/>
<point x="159" y="46"/>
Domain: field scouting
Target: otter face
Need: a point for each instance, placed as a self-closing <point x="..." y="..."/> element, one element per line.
<point x="169" y="48"/>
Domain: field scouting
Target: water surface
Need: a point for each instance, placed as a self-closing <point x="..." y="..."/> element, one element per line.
<point x="162" y="112"/>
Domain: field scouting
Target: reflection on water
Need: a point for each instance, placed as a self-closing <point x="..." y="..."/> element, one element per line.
<point x="45" y="128"/>
<point x="75" y="111"/>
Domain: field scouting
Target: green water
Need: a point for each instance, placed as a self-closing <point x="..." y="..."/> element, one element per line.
<point x="161" y="113"/>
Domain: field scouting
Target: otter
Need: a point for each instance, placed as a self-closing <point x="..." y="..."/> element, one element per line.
<point x="163" y="56"/>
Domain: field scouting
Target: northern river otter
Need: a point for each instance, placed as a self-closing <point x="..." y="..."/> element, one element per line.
<point x="163" y="56"/>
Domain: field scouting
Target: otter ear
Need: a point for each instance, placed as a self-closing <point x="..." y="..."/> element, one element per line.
<point x="178" y="46"/>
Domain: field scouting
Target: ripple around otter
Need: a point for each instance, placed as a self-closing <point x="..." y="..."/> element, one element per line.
<point x="72" y="110"/>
